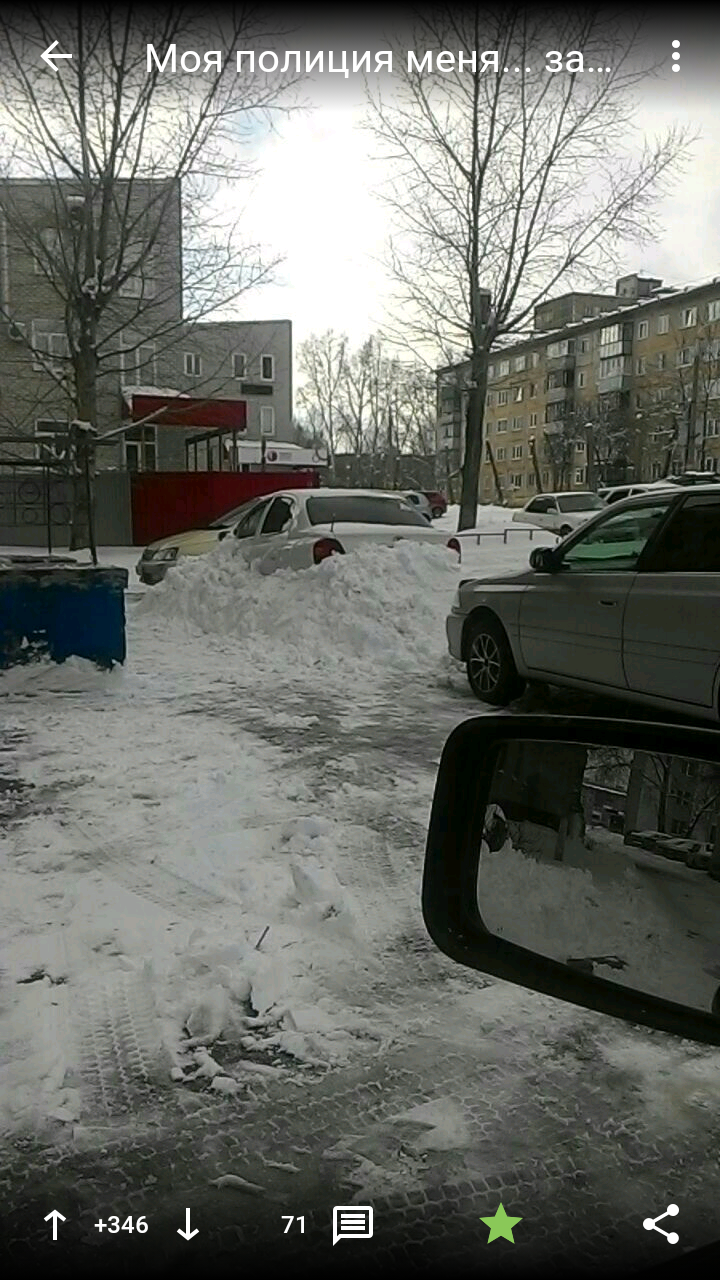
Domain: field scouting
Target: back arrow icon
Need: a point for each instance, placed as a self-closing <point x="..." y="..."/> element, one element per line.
<point x="187" y="1234"/>
<point x="56" y="1217"/>
<point x="49" y="57"/>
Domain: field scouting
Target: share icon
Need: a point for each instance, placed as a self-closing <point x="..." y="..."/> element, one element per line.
<point x="650" y="1224"/>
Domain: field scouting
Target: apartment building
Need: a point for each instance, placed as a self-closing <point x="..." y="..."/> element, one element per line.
<point x="627" y="388"/>
<point x="145" y="338"/>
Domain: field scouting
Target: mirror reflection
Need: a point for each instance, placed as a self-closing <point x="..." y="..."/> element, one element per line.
<point x="608" y="860"/>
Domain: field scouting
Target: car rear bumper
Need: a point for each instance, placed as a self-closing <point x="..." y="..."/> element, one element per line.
<point x="454" y="627"/>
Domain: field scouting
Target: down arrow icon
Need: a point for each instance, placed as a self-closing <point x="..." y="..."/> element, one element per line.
<point x="187" y="1234"/>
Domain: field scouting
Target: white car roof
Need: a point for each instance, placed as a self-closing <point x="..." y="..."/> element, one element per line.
<point x="335" y="493"/>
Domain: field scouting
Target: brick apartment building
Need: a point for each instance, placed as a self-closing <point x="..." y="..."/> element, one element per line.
<point x="144" y="342"/>
<point x="607" y="388"/>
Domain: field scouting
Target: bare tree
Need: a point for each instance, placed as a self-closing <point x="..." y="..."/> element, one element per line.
<point x="368" y="402"/>
<point x="505" y="184"/>
<point x="322" y="361"/>
<point x="127" y="151"/>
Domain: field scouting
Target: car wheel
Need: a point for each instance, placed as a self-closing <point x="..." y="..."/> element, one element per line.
<point x="565" y="529"/>
<point x="437" y="512"/>
<point x="490" y="665"/>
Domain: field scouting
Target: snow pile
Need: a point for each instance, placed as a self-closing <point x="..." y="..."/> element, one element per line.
<point x="382" y="608"/>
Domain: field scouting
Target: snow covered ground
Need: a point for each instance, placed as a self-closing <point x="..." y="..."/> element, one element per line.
<point x="210" y="866"/>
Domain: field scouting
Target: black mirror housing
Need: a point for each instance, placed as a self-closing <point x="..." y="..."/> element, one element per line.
<point x="543" y="560"/>
<point x="452" y="862"/>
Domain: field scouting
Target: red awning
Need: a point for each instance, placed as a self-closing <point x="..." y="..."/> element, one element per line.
<point x="186" y="411"/>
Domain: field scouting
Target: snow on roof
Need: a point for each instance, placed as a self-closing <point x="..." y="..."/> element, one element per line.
<point x="161" y="393"/>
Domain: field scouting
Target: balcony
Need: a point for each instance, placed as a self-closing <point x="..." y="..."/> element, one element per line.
<point x="615" y="382"/>
<point x="555" y="394"/>
<point x="560" y="362"/>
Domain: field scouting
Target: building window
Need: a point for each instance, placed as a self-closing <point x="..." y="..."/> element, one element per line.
<point x="584" y="346"/>
<point x="640" y="366"/>
<point x="711" y="427"/>
<point x="688" y="317"/>
<point x="516" y="481"/>
<point x="579" y="446"/>
<point x="504" y="368"/>
<point x="533" y="419"/>
<point x="531" y="480"/>
<point x="141" y="449"/>
<point x="612" y="334"/>
<point x="502" y="397"/>
<point x="534" y="359"/>
<point x="518" y="424"/>
<point x="490" y="399"/>
<point x="51" y="438"/>
<point x="519" y="363"/>
<point x="491" y="371"/>
<point x="50" y="349"/>
<point x="501" y="454"/>
<point x="546" y="477"/>
<point x="502" y="424"/>
<point x="193" y="364"/>
<point x="267" y="368"/>
<point x="662" y="360"/>
<point x="517" y="451"/>
<point x="532" y="391"/>
<point x="685" y="356"/>
<point x="713" y="312"/>
<point x="580" y="475"/>
<point x="581" y="379"/>
<point x="239" y="364"/>
<point x="642" y="329"/>
<point x="267" y="420"/>
<point x="518" y="394"/>
<point x="138" y="366"/>
<point x="557" y="349"/>
<point x="663" y="324"/>
<point x="137" y="285"/>
<point x="52" y="243"/>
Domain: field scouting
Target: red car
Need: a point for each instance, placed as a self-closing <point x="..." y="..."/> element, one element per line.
<point x="438" y="502"/>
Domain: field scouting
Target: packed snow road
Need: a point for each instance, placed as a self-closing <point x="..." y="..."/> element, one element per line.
<point x="215" y="986"/>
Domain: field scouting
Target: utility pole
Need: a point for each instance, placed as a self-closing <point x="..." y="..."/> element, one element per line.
<point x="590" y="447"/>
<point x="692" y="412"/>
<point x="536" y="469"/>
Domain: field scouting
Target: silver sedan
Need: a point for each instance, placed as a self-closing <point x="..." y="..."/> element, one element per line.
<point x="628" y="605"/>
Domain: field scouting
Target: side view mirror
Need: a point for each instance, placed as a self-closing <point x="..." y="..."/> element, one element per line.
<point x="544" y="560"/>
<point x="581" y="858"/>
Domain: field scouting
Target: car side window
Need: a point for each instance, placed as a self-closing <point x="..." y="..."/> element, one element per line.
<point x="279" y="515"/>
<point x="537" y="506"/>
<point x="614" y="544"/>
<point x="250" y="523"/>
<point x="691" y="541"/>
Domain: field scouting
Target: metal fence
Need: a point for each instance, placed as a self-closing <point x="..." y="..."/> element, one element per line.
<point x="497" y="533"/>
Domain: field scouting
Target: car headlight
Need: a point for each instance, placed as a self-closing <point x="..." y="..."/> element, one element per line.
<point x="168" y="553"/>
<point x="456" y="600"/>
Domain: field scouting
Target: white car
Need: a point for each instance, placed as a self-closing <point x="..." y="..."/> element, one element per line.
<point x="419" y="501"/>
<point x="560" y="513"/>
<point x="620" y="491"/>
<point x="299" y="528"/>
<point x="627" y="606"/>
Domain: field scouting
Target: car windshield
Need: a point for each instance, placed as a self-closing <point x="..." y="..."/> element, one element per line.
<point x="230" y="517"/>
<point x="362" y="509"/>
<point x="580" y="502"/>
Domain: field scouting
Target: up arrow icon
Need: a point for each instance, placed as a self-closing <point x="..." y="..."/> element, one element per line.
<point x="56" y="1217"/>
<point x="187" y="1234"/>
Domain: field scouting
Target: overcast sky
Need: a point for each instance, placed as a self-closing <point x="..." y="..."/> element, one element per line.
<point x="315" y="201"/>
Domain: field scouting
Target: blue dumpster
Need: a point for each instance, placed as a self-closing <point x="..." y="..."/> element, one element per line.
<point x="49" y="609"/>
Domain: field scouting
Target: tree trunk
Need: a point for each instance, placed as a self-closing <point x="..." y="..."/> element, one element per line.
<point x="473" y="439"/>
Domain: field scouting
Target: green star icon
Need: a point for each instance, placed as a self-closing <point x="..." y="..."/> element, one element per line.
<point x="501" y="1225"/>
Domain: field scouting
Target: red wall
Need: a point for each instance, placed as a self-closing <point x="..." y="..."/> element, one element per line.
<point x="167" y="502"/>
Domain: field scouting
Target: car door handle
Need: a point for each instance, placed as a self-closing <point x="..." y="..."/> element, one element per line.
<point x="609" y="604"/>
